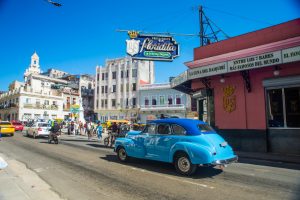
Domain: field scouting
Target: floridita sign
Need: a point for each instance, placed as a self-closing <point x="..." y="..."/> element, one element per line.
<point x="151" y="47"/>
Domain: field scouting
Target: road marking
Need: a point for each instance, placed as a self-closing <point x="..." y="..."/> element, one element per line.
<point x="175" y="179"/>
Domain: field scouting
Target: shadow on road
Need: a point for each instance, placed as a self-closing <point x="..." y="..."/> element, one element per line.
<point x="97" y="145"/>
<point x="77" y="140"/>
<point x="162" y="167"/>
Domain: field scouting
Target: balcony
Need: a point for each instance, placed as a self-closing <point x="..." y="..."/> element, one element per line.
<point x="40" y="106"/>
<point x="87" y="92"/>
<point x="51" y="92"/>
<point x="10" y="105"/>
<point x="180" y="107"/>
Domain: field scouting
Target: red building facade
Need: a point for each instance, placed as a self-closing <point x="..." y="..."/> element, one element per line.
<point x="248" y="87"/>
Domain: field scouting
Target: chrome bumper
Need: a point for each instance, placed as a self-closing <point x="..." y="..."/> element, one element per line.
<point x="225" y="162"/>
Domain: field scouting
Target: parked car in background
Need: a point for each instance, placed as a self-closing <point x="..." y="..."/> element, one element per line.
<point x="38" y="129"/>
<point x="187" y="143"/>
<point x="18" y="125"/>
<point x="6" y="128"/>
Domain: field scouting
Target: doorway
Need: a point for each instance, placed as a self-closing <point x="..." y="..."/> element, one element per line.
<point x="206" y="107"/>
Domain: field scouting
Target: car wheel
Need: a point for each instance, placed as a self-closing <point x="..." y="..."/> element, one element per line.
<point x="184" y="165"/>
<point x="12" y="134"/>
<point x="122" y="155"/>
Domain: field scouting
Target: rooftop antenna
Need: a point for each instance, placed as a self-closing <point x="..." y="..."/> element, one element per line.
<point x="208" y="34"/>
<point x="208" y="29"/>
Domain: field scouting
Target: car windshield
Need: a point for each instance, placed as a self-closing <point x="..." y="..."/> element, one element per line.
<point x="5" y="123"/>
<point x="205" y="128"/>
<point x="44" y="125"/>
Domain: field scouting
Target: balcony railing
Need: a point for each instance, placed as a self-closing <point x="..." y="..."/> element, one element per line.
<point x="11" y="105"/>
<point x="40" y="106"/>
<point x="162" y="107"/>
<point x="51" y="92"/>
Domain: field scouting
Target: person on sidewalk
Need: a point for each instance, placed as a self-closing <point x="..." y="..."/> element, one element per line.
<point x="99" y="130"/>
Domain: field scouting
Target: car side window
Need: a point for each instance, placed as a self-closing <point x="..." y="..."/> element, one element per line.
<point x="163" y="129"/>
<point x="178" y="130"/>
<point x="150" y="129"/>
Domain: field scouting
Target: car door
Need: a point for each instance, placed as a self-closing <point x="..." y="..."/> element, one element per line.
<point x="165" y="140"/>
<point x="150" y="136"/>
<point x="138" y="149"/>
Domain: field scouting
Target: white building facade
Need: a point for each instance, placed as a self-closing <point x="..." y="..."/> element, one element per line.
<point x="160" y="101"/>
<point x="39" y="97"/>
<point x="117" y="87"/>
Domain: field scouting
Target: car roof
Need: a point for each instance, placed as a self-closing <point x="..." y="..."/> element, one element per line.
<point x="190" y="125"/>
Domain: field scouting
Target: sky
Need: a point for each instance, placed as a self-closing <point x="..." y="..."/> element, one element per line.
<point x="81" y="34"/>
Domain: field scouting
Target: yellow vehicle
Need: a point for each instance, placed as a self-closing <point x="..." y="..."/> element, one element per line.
<point x="108" y="123"/>
<point x="138" y="126"/>
<point x="6" y="128"/>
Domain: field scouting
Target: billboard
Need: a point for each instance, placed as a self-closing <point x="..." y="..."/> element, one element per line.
<point x="152" y="47"/>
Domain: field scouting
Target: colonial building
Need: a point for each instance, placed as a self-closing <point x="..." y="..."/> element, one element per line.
<point x="248" y="87"/>
<point x="87" y="89"/>
<point x="159" y="101"/>
<point x="85" y="85"/>
<point x="40" y="97"/>
<point x="117" y="86"/>
<point x="54" y="73"/>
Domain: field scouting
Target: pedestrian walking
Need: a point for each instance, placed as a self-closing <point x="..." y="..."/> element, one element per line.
<point x="89" y="129"/>
<point x="81" y="128"/>
<point x="99" y="131"/>
<point x="76" y="126"/>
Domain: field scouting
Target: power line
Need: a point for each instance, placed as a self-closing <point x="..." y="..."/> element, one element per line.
<point x="240" y="16"/>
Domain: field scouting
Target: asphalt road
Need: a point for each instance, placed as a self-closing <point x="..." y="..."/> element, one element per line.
<point x="82" y="173"/>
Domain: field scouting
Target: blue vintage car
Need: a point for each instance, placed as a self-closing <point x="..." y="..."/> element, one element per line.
<point x="187" y="143"/>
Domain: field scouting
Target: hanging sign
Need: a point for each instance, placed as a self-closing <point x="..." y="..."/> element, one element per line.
<point x="151" y="47"/>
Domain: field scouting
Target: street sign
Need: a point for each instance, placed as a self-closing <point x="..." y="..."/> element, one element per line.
<point x="152" y="47"/>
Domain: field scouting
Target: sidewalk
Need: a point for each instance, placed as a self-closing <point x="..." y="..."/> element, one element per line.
<point x="20" y="183"/>
<point x="270" y="157"/>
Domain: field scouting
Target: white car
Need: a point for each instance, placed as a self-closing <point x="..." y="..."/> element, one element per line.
<point x="38" y="129"/>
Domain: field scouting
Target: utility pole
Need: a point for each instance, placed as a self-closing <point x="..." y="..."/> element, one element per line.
<point x="209" y="31"/>
<point x="201" y="33"/>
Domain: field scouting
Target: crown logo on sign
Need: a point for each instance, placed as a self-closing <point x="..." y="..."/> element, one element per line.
<point x="133" y="34"/>
<point x="228" y="91"/>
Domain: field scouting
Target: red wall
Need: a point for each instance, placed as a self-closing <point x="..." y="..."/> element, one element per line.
<point x="250" y="107"/>
<point x="264" y="36"/>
